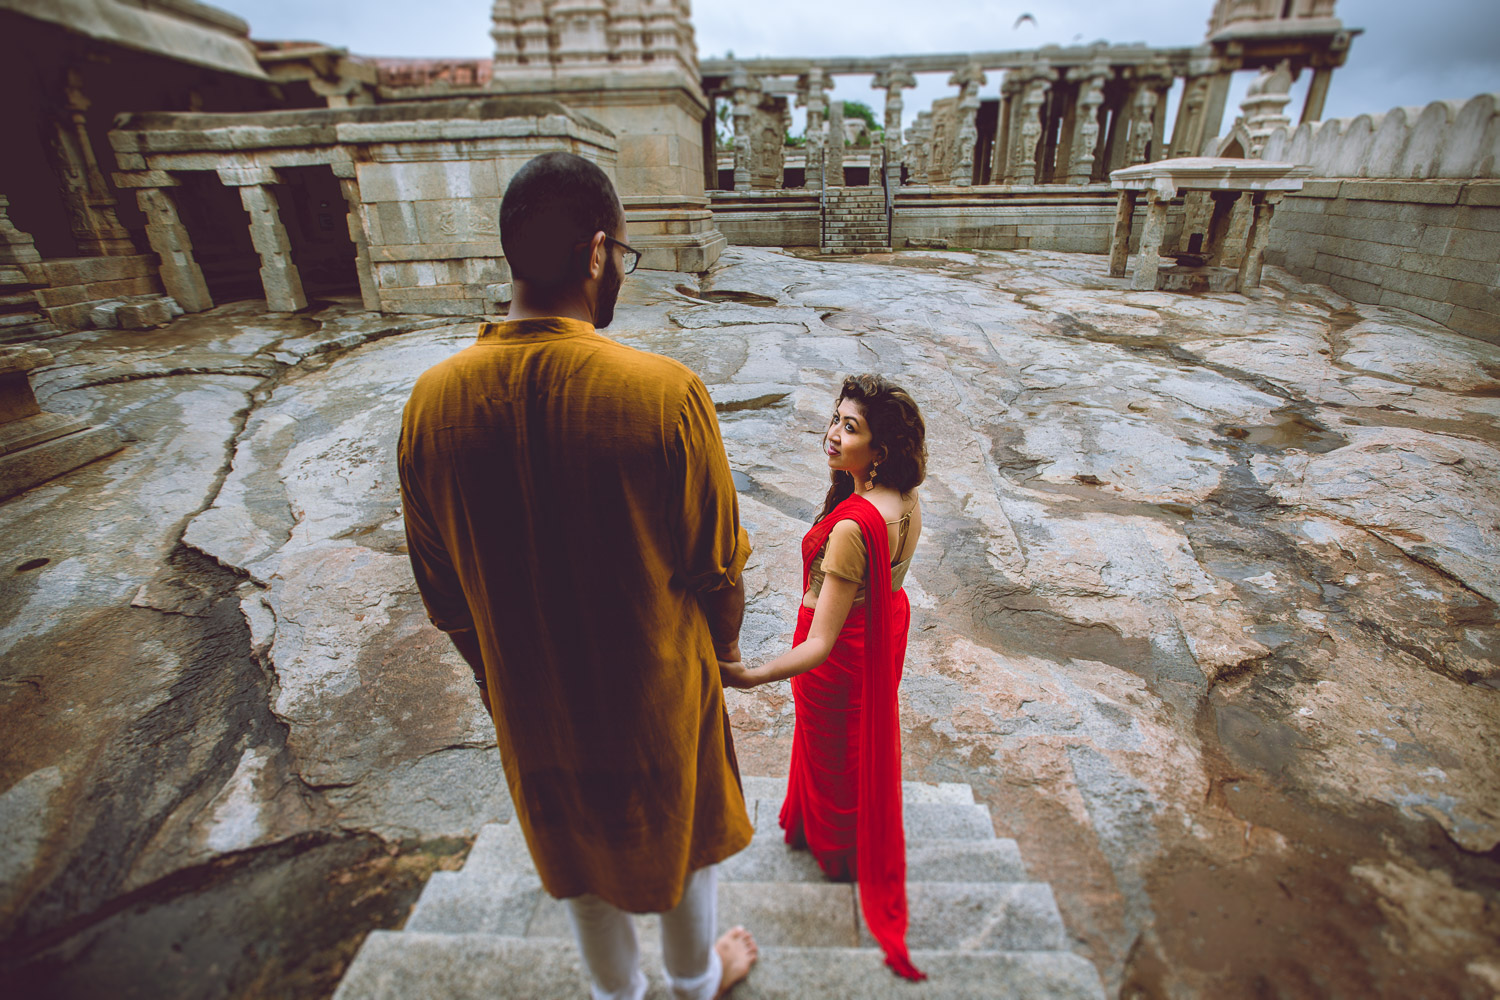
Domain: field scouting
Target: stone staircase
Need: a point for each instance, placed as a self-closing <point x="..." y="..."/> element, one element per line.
<point x="979" y="929"/>
<point x="854" y="221"/>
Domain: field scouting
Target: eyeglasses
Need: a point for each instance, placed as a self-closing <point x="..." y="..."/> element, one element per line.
<point x="632" y="255"/>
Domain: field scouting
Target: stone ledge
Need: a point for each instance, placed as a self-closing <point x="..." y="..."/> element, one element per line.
<point x="1414" y="192"/>
<point x="21" y="470"/>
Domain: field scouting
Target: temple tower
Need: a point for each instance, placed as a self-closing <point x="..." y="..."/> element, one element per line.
<point x="632" y="65"/>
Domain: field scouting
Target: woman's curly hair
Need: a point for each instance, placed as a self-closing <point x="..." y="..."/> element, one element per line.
<point x="896" y="427"/>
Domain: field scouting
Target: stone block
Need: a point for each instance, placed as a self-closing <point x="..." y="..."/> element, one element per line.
<point x="1474" y="323"/>
<point x="1426" y="286"/>
<point x="28" y="431"/>
<point x="1414" y="192"/>
<point x="1473" y="245"/>
<point x="1476" y="271"/>
<point x="431" y="180"/>
<point x="1475" y="296"/>
<point x="1438" y="312"/>
<point x="1350" y="288"/>
<point x="144" y="315"/>
<point x="23" y="469"/>
<point x="1480" y="220"/>
<point x="142" y="178"/>
<point x="83" y="270"/>
<point x="1482" y="193"/>
<point x="458" y="220"/>
<point x="1316" y="188"/>
<point x="104" y="315"/>
<point x="1402" y="234"/>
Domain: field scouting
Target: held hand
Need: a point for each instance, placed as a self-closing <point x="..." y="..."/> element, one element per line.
<point x="735" y="674"/>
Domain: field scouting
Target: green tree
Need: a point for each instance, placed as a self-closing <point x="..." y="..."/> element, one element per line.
<point x="861" y="110"/>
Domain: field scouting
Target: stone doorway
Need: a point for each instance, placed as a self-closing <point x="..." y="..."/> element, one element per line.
<point x="316" y="217"/>
<point x="219" y="227"/>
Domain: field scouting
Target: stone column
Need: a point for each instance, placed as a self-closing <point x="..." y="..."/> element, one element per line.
<point x="1004" y="138"/>
<point x="1317" y="93"/>
<point x="180" y="274"/>
<point x="892" y="81"/>
<point x="16" y="247"/>
<point x="1148" y="261"/>
<point x="1143" y="108"/>
<point x="812" y="93"/>
<point x="278" y="275"/>
<point x="1090" y="81"/>
<point x="1119" y="241"/>
<point x="1237" y="233"/>
<point x="745" y="89"/>
<point x="1258" y="237"/>
<point x="768" y="143"/>
<point x="968" y="80"/>
<point x="1187" y="131"/>
<point x="369" y="291"/>
<point x="1038" y="83"/>
<point x="91" y="206"/>
<point x="919" y="148"/>
<point x="1213" y="108"/>
<point x="836" y="140"/>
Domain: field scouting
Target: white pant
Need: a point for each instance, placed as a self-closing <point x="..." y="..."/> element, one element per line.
<point x="606" y="937"/>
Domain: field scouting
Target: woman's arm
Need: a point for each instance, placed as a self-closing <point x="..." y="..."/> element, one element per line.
<point x="834" y="602"/>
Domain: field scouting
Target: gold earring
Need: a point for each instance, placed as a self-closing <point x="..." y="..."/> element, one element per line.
<point x="874" y="472"/>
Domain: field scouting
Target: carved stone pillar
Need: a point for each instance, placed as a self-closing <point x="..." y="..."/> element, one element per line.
<point x="1038" y="83"/>
<point x="892" y="81"/>
<point x="369" y="292"/>
<point x="1005" y="139"/>
<point x="91" y="206"/>
<point x="746" y="90"/>
<point x="768" y="144"/>
<point x="278" y="275"/>
<point x="834" y="154"/>
<point x="1148" y="262"/>
<point x="812" y="93"/>
<point x="180" y="274"/>
<point x="1143" y="109"/>
<point x="1260" y="235"/>
<point x="1187" y="133"/>
<point x="968" y="80"/>
<point x="1119" y="242"/>
<point x="1091" y="80"/>
<point x="919" y="148"/>
<point x="1317" y="94"/>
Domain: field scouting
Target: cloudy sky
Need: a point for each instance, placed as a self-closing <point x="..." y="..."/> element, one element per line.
<point x="1411" y="51"/>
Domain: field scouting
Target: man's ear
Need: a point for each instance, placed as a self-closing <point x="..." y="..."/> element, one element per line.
<point x="598" y="256"/>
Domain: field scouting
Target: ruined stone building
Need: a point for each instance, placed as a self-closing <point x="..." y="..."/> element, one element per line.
<point x="168" y="152"/>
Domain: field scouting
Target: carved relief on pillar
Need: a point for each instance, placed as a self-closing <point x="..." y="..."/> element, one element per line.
<point x="746" y="94"/>
<point x="834" y="153"/>
<point x="917" y="154"/>
<point x="968" y="80"/>
<point x="1143" y="141"/>
<point x="1187" y="135"/>
<point x="1091" y="80"/>
<point x="812" y="93"/>
<point x="1033" y="99"/>
<point x="91" y="206"/>
<point x="768" y="143"/>
<point x="892" y="81"/>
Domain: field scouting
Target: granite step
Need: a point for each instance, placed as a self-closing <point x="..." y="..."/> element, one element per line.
<point x="419" y="966"/>
<point x="500" y="849"/>
<point x="922" y="820"/>
<point x="963" y="916"/>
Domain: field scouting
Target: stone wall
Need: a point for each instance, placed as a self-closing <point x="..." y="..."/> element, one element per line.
<point x="1403" y="210"/>
<point x="75" y="285"/>
<point x="422" y="183"/>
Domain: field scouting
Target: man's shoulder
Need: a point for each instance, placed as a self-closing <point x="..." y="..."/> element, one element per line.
<point x="669" y="372"/>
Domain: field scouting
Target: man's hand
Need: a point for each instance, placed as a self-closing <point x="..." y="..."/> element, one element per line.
<point x="735" y="674"/>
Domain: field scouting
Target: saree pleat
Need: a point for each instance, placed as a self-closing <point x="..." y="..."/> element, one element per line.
<point x="844" y="788"/>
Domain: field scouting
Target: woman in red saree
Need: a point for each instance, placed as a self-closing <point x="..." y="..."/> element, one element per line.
<point x="844" y="790"/>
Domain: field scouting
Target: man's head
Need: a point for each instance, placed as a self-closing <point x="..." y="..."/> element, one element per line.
<point x="560" y="226"/>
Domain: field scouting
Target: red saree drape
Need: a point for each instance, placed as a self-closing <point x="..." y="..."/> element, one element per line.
<point x="844" y="791"/>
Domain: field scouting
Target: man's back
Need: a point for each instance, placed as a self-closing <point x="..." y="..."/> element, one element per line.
<point x="577" y="491"/>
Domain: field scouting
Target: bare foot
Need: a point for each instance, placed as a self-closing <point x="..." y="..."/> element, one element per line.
<point x="737" y="952"/>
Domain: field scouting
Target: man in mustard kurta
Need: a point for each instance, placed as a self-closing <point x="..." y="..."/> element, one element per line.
<point x="573" y="527"/>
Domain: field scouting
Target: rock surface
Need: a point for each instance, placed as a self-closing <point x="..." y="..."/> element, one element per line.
<point x="1204" y="608"/>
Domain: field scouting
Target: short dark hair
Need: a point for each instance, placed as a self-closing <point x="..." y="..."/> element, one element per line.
<point x="553" y="203"/>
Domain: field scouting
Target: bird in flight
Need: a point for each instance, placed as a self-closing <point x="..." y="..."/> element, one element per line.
<point x="1023" y="19"/>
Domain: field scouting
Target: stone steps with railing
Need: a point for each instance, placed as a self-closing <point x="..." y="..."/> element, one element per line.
<point x="855" y="221"/>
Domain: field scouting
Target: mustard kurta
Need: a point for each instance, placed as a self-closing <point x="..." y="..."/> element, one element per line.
<point x="568" y="497"/>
